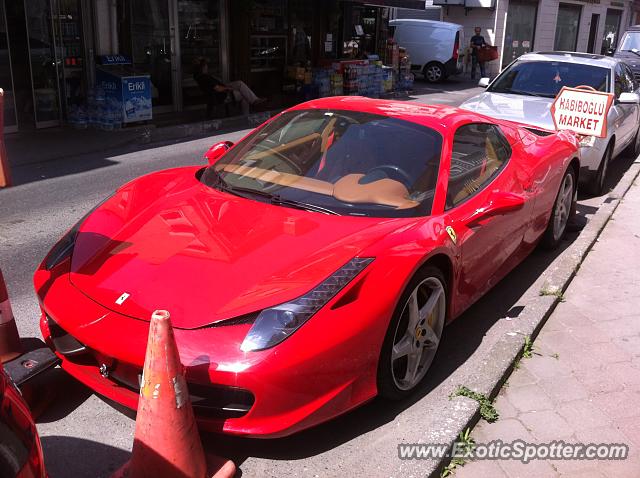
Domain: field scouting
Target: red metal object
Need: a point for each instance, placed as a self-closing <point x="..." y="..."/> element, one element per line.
<point x="10" y="346"/>
<point x="5" y="173"/>
<point x="22" y="452"/>
<point x="166" y="441"/>
<point x="168" y="240"/>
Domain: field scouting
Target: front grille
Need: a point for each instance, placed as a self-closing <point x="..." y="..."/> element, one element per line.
<point x="64" y="343"/>
<point x="214" y="401"/>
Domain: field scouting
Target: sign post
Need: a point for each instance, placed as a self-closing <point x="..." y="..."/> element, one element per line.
<point x="582" y="110"/>
<point x="5" y="176"/>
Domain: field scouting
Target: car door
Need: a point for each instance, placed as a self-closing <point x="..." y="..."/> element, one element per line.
<point x="634" y="117"/>
<point x="482" y="173"/>
<point x="621" y="115"/>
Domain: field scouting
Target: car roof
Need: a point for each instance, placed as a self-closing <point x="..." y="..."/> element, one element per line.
<point x="438" y="117"/>
<point x="633" y="28"/>
<point x="433" y="23"/>
<point x="573" y="57"/>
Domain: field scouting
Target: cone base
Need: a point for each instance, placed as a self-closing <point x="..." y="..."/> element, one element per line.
<point x="217" y="467"/>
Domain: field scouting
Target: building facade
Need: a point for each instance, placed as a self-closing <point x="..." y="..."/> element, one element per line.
<point x="52" y="50"/>
<point x="521" y="26"/>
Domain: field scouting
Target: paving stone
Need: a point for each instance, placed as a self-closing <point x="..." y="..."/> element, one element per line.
<point x="564" y="389"/>
<point x="480" y="469"/>
<point x="545" y="367"/>
<point x="598" y="381"/>
<point x="588" y="334"/>
<point x="569" y="315"/>
<point x="631" y="344"/>
<point x="521" y="377"/>
<point x="529" y="398"/>
<point x="506" y="430"/>
<point x="626" y="374"/>
<point x="546" y="425"/>
<point x="592" y="473"/>
<point x="532" y="469"/>
<point x="629" y="468"/>
<point x="621" y="326"/>
<point x="608" y="353"/>
<point x="623" y="404"/>
<point x="504" y="407"/>
<point x="582" y="414"/>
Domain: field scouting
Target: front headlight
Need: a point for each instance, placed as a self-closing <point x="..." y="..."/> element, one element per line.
<point x="275" y="324"/>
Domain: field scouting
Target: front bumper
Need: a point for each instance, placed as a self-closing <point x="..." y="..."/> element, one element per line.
<point x="272" y="393"/>
<point x="590" y="158"/>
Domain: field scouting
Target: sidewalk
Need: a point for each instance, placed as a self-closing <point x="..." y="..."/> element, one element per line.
<point x="582" y="384"/>
<point x="32" y="147"/>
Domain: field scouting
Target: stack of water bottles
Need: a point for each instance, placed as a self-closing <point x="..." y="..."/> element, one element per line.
<point x="100" y="112"/>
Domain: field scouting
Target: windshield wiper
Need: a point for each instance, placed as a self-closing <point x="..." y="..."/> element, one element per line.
<point x="635" y="51"/>
<point x="529" y="93"/>
<point x="274" y="199"/>
<point x="278" y="201"/>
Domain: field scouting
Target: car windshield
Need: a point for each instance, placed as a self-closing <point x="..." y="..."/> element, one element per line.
<point x="630" y="41"/>
<point x="340" y="162"/>
<point x="546" y="78"/>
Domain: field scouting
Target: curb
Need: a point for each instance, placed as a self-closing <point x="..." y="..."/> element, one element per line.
<point x="501" y="358"/>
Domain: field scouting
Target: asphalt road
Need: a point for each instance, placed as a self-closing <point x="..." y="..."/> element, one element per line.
<point x="85" y="436"/>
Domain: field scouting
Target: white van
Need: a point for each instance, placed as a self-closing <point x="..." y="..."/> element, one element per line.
<point x="433" y="47"/>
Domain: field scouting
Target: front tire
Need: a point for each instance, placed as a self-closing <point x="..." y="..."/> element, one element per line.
<point x="414" y="334"/>
<point x="434" y="72"/>
<point x="596" y="186"/>
<point x="564" y="208"/>
<point x="633" y="150"/>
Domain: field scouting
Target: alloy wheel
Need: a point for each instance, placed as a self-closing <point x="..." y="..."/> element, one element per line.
<point x="418" y="333"/>
<point x="434" y="73"/>
<point x="563" y="207"/>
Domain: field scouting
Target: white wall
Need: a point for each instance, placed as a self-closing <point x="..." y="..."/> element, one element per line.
<point x="476" y="17"/>
<point x="493" y="24"/>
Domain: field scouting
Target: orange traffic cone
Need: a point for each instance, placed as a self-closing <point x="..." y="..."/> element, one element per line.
<point x="10" y="346"/>
<point x="166" y="442"/>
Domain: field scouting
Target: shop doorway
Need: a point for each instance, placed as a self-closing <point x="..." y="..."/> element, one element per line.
<point x="520" y="29"/>
<point x="567" y="26"/>
<point x="611" y="31"/>
<point x="201" y="37"/>
<point x="593" y="31"/>
<point x="145" y="35"/>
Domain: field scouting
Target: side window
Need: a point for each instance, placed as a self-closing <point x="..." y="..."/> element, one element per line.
<point x="479" y="153"/>
<point x="621" y="84"/>
<point x="633" y="86"/>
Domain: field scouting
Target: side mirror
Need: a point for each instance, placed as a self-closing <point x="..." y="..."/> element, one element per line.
<point x="629" y="98"/>
<point x="484" y="82"/>
<point x="500" y="203"/>
<point x="216" y="151"/>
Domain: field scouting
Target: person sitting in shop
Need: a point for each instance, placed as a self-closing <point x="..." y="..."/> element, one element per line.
<point x="217" y="92"/>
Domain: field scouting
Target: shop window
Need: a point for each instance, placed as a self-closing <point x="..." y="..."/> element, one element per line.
<point x="199" y="22"/>
<point x="479" y="152"/>
<point x="567" y="27"/>
<point x="611" y="30"/>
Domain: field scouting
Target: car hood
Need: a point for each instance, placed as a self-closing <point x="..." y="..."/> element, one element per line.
<point x="166" y="241"/>
<point x="532" y="110"/>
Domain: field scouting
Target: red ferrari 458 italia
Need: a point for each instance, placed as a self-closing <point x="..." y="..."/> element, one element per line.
<point x="311" y="266"/>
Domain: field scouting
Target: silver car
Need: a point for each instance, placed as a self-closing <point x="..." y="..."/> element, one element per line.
<point x="524" y="91"/>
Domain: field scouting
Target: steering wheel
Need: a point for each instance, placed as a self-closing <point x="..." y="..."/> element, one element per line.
<point x="398" y="172"/>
